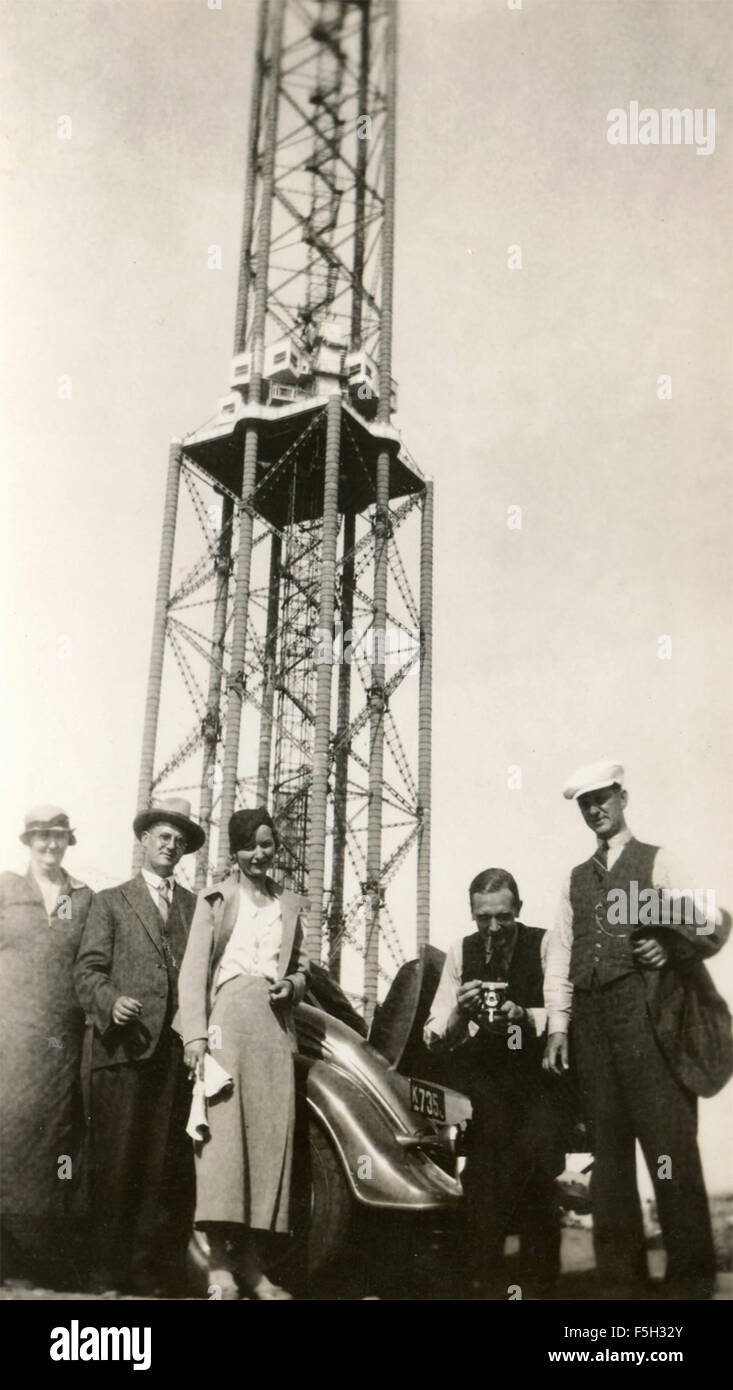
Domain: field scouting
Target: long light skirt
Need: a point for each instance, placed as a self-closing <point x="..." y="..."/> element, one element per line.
<point x="243" y="1169"/>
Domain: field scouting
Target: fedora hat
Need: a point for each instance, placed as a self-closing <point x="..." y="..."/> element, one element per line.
<point x="176" y="812"/>
<point x="46" y="818"/>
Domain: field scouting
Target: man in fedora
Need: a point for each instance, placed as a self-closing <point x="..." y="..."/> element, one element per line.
<point x="622" y="972"/>
<point x="141" y="1165"/>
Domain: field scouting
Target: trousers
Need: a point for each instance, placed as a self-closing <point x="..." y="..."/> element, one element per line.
<point x="141" y="1162"/>
<point x="515" y="1150"/>
<point x="629" y="1093"/>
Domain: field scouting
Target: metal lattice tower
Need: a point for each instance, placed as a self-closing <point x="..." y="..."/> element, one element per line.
<point x="296" y="633"/>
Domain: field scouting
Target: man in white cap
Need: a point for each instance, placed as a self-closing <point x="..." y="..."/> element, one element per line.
<point x="127" y="980"/>
<point x="637" y="1082"/>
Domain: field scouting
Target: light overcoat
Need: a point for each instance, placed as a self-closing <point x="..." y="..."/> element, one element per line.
<point x="213" y="922"/>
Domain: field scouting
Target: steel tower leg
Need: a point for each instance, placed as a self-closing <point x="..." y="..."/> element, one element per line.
<point x="381" y="532"/>
<point x="360" y="189"/>
<point x="245" y="261"/>
<point x="213" y="699"/>
<point x="157" y="649"/>
<point x="251" y="444"/>
<point x="319" y="784"/>
<point x="269" y="673"/>
<point x="425" y="710"/>
<point x="341" y="760"/>
<point x="377" y="706"/>
<point x="236" y="680"/>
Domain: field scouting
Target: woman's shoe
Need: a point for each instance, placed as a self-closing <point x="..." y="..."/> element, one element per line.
<point x="223" y="1285"/>
<point x="264" y="1291"/>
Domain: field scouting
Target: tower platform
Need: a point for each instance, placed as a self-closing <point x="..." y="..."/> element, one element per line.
<point x="291" y="457"/>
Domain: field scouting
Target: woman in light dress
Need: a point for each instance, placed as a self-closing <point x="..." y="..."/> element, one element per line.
<point x="243" y="971"/>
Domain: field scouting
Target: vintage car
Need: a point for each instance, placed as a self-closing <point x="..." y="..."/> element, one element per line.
<point x="376" y="1133"/>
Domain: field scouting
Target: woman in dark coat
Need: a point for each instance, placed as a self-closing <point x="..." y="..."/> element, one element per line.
<point x="41" y="1028"/>
<point x="243" y="970"/>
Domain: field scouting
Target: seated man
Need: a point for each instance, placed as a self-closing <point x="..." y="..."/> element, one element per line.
<point x="495" y="1043"/>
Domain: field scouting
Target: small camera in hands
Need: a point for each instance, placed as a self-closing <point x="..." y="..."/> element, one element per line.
<point x="493" y="995"/>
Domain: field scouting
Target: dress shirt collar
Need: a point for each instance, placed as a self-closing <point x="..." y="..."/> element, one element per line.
<point x="155" y="881"/>
<point x="269" y="907"/>
<point x="616" y="842"/>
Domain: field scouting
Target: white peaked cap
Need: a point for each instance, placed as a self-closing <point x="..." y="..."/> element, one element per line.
<point x="591" y="778"/>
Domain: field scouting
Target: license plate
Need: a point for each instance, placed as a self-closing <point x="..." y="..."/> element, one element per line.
<point x="427" y="1100"/>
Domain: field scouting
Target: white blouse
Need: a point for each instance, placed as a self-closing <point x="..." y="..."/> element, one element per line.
<point x="254" y="945"/>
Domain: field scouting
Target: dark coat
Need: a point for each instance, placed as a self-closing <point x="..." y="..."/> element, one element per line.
<point x="690" y="1019"/>
<point x="38" y="951"/>
<point x="216" y="914"/>
<point x="121" y="952"/>
<point x="41" y="1031"/>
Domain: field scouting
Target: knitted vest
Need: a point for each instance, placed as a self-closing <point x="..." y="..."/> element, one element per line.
<point x="602" y="950"/>
<point x="525" y="970"/>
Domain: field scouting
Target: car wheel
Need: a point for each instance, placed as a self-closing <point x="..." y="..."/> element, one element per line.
<point x="330" y="1202"/>
<point x="321" y="1215"/>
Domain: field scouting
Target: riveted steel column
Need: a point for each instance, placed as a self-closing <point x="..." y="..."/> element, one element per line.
<point x="377" y="702"/>
<point x="390" y="135"/>
<point x="377" y="706"/>
<point x="424" y="721"/>
<point x="341" y="758"/>
<point x="236" y="678"/>
<point x="269" y="673"/>
<point x="245" y="259"/>
<point x="236" y="682"/>
<point x="362" y="146"/>
<point x="324" y="662"/>
<point x="157" y="648"/>
<point x="213" y="698"/>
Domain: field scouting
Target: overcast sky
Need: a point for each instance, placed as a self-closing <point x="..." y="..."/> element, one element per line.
<point x="535" y="388"/>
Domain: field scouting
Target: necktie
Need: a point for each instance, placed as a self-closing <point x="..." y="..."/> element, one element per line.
<point x="602" y="854"/>
<point x="165" y="897"/>
<point x="164" y="894"/>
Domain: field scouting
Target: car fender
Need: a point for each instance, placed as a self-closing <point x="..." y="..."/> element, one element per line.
<point x="380" y="1171"/>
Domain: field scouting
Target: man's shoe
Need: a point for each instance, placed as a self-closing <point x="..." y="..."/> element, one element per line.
<point x="143" y="1286"/>
<point x="492" y="1284"/>
<point x="103" y="1283"/>
<point x="629" y="1291"/>
<point x="686" y="1290"/>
